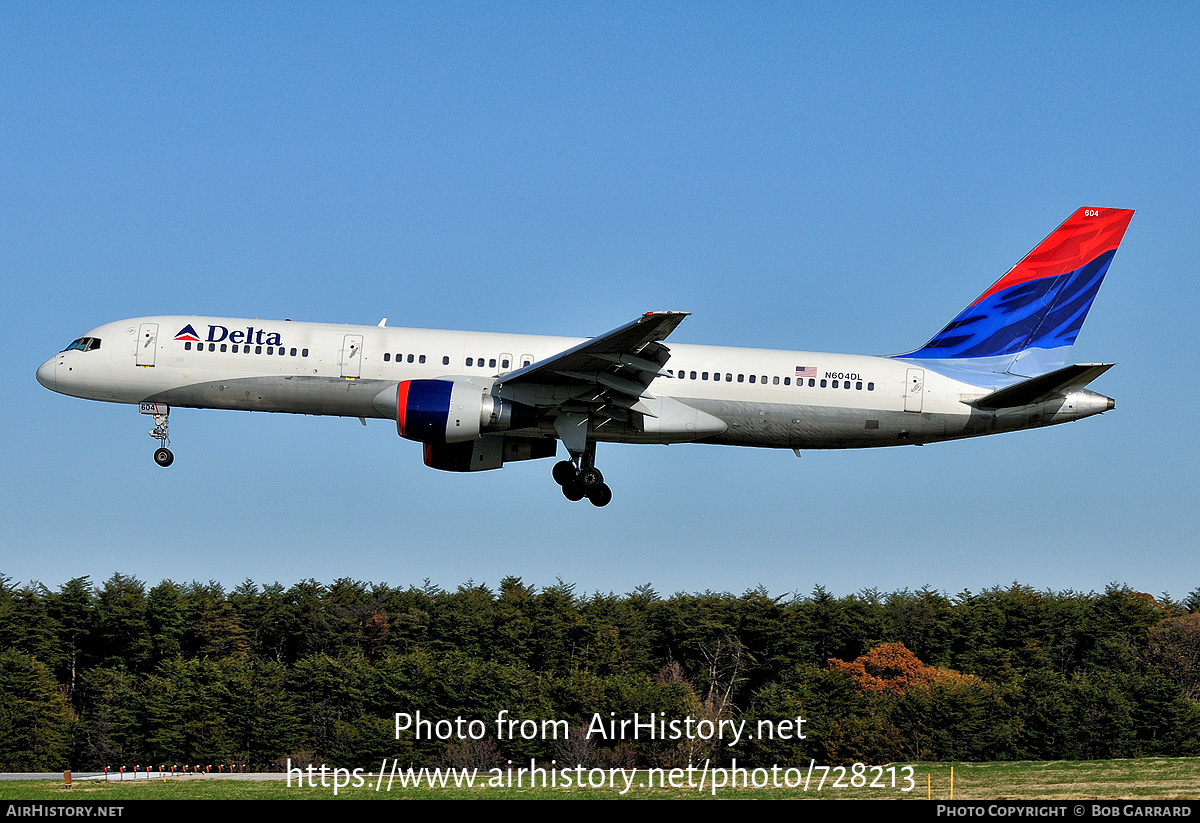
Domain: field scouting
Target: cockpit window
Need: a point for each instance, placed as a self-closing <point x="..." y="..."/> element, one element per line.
<point x="84" y="344"/>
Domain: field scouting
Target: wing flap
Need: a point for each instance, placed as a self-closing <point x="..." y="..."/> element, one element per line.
<point x="637" y="340"/>
<point x="598" y="382"/>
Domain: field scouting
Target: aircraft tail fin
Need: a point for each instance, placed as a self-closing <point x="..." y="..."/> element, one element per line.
<point x="1026" y="323"/>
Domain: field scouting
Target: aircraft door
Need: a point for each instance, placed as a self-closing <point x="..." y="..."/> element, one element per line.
<point x="914" y="390"/>
<point x="147" y="344"/>
<point x="352" y="355"/>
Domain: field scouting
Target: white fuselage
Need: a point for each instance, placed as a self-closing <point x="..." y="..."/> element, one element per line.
<point x="761" y="397"/>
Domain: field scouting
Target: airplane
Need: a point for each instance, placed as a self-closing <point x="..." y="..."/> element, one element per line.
<point x="478" y="400"/>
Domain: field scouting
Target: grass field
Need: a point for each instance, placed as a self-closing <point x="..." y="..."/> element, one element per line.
<point x="1148" y="779"/>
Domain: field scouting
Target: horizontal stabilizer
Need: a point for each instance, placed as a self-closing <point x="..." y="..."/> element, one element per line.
<point x="1036" y="389"/>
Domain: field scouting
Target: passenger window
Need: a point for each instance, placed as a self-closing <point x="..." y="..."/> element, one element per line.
<point x="212" y="346"/>
<point x="492" y="363"/>
<point x="870" y="387"/>
<point x="728" y="378"/>
<point x="421" y="359"/>
<point x="774" y="381"/>
<point x="270" y="349"/>
<point x="752" y="377"/>
<point x="223" y="347"/>
<point x="387" y="357"/>
<point x="835" y="384"/>
<point x="787" y="381"/>
<point x="445" y="360"/>
<point x="693" y="375"/>
<point x="187" y="346"/>
<point x="858" y="386"/>
<point x="410" y="358"/>
<point x="741" y="378"/>
<point x="258" y="349"/>
<point x="293" y="353"/>
<point x="811" y="382"/>
<point x="704" y="375"/>
<point x="304" y="352"/>
<point x="823" y="383"/>
<point x="470" y="361"/>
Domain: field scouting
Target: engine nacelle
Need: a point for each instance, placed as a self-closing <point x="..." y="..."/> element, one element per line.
<point x="488" y="452"/>
<point x="449" y="411"/>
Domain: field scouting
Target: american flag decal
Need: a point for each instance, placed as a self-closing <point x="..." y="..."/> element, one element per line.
<point x="806" y="371"/>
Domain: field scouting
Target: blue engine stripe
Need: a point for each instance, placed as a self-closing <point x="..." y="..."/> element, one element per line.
<point x="428" y="409"/>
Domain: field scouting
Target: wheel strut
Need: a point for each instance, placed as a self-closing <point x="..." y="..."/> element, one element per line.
<point x="161" y="431"/>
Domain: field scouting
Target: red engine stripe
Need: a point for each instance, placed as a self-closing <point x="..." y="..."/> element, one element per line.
<point x="401" y="406"/>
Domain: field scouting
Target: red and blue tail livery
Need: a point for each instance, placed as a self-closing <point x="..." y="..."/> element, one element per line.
<point x="1027" y="321"/>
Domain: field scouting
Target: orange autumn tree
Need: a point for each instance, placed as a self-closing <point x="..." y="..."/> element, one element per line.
<point x="892" y="668"/>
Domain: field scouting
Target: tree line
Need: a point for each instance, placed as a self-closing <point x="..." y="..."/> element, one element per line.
<point x="118" y="673"/>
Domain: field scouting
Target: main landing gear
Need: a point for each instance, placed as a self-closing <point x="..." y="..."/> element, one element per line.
<point x="160" y="432"/>
<point x="580" y="478"/>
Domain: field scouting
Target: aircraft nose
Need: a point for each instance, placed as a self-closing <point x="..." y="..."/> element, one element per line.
<point x="46" y="373"/>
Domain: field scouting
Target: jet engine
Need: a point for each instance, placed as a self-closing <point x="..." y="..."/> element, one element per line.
<point x="449" y="411"/>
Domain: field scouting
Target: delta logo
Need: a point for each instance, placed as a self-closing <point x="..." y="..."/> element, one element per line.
<point x="222" y="334"/>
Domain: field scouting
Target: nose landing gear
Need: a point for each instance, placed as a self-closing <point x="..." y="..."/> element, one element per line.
<point x="160" y="432"/>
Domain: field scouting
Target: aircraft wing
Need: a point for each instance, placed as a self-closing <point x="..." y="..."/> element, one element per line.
<point x="607" y="374"/>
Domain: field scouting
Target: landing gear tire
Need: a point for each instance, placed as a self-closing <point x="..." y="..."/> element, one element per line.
<point x="591" y="478"/>
<point x="564" y="473"/>
<point x="573" y="492"/>
<point x="600" y="496"/>
<point x="163" y="457"/>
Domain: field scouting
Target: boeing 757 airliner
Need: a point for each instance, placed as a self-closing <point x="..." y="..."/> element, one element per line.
<point x="477" y="400"/>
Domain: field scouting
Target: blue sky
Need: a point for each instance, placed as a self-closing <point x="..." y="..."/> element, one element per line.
<point x="797" y="176"/>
